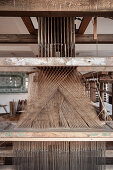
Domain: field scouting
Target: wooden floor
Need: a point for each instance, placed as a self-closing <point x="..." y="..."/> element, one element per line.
<point x="60" y="134"/>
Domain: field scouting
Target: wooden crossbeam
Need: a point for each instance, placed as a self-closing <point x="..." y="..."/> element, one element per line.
<point x="33" y="6"/>
<point x="33" y="69"/>
<point x="32" y="39"/>
<point x="55" y="61"/>
<point x="57" y="135"/>
<point x="18" y="69"/>
<point x="84" y="24"/>
<point x="29" y="25"/>
<point x="93" y="69"/>
<point x="95" y="75"/>
<point x="106" y="79"/>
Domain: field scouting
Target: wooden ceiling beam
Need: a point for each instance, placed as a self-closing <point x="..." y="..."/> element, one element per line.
<point x="4" y="13"/>
<point x="36" y="6"/>
<point x="84" y="24"/>
<point x="32" y="39"/>
<point x="29" y="25"/>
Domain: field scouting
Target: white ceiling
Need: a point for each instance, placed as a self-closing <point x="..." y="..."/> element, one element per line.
<point x="11" y="25"/>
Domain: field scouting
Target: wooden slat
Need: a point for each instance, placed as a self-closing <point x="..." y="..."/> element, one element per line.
<point x="32" y="39"/>
<point x="84" y="24"/>
<point x="29" y="25"/>
<point x="56" y="61"/>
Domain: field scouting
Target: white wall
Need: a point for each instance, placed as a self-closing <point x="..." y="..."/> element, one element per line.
<point x="6" y="98"/>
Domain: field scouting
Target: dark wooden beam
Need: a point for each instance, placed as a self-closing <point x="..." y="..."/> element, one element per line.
<point x="106" y="78"/>
<point x="95" y="69"/>
<point x="94" y="74"/>
<point x="32" y="39"/>
<point x="34" y="6"/>
<point x="29" y="25"/>
<point x="89" y="39"/>
<point x="84" y="24"/>
<point x="11" y="13"/>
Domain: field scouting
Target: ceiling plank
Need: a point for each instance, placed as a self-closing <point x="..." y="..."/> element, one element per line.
<point x="29" y="25"/>
<point x="84" y="24"/>
<point x="32" y="39"/>
<point x="56" y="61"/>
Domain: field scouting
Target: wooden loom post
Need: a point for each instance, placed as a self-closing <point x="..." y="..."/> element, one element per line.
<point x="112" y="101"/>
<point x="92" y="92"/>
<point x="101" y="94"/>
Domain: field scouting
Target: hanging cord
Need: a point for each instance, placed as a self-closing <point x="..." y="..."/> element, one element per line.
<point x="103" y="105"/>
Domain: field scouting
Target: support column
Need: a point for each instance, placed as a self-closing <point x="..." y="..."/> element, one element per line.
<point x="92" y="92"/>
<point x="101" y="94"/>
<point x="112" y="101"/>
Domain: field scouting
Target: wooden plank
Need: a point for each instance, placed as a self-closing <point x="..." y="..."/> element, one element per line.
<point x="57" y="135"/>
<point x="94" y="69"/>
<point x="107" y="78"/>
<point x="89" y="39"/>
<point x="18" y="69"/>
<point x="59" y="5"/>
<point x="84" y="24"/>
<point x="94" y="74"/>
<point x="29" y="25"/>
<point x="33" y="69"/>
<point x="55" y="61"/>
<point x="32" y="39"/>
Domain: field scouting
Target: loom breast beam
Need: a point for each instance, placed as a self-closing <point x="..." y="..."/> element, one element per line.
<point x="56" y="61"/>
<point x="57" y="135"/>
